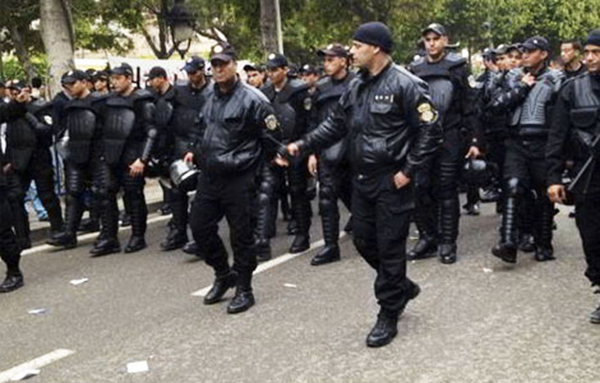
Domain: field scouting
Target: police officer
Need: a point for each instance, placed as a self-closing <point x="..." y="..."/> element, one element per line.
<point x="437" y="195"/>
<point x="573" y="132"/>
<point x="82" y="152"/>
<point x="10" y="190"/>
<point x="255" y="75"/>
<point x="393" y="133"/>
<point x="331" y="165"/>
<point x="240" y="132"/>
<point x="101" y="83"/>
<point x="570" y="53"/>
<point x="29" y="139"/>
<point x="182" y="111"/>
<point x="528" y="100"/>
<point x="128" y="136"/>
<point x="293" y="104"/>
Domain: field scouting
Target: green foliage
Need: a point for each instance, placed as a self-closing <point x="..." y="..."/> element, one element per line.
<point x="12" y="69"/>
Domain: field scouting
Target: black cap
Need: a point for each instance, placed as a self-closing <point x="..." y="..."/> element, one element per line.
<point x="276" y="60"/>
<point x="308" y="69"/>
<point x="123" y="69"/>
<point x="101" y="75"/>
<point x="535" y="43"/>
<point x="489" y="53"/>
<point x="375" y="33"/>
<point x="16" y="84"/>
<point x="194" y="64"/>
<point x="157" y="72"/>
<point x="73" y="76"/>
<point x="335" y="49"/>
<point x="501" y="49"/>
<point x="593" y="38"/>
<point x="222" y="52"/>
<point x="435" y="28"/>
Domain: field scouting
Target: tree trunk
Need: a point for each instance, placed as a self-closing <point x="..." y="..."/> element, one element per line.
<point x="21" y="52"/>
<point x="57" y="35"/>
<point x="268" y="26"/>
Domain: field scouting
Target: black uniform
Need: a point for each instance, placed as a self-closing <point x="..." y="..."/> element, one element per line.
<point x="239" y="129"/>
<point x="179" y="112"/>
<point x="10" y="190"/>
<point x="525" y="166"/>
<point x="392" y="126"/>
<point x="79" y="119"/>
<point x="334" y="173"/>
<point x="438" y="207"/>
<point x="574" y="126"/>
<point x="293" y="106"/>
<point x="29" y="139"/>
<point x="128" y="134"/>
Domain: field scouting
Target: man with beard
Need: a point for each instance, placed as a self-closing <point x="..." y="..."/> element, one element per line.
<point x="128" y="137"/>
<point x="331" y="165"/>
<point x="570" y="52"/>
<point x="528" y="100"/>
<point x="438" y="207"/>
<point x="393" y="131"/>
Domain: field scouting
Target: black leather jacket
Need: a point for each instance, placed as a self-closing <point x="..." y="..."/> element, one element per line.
<point x="391" y="121"/>
<point x="8" y="111"/>
<point x="239" y="130"/>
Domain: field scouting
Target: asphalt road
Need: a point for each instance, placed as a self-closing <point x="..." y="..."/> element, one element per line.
<point x="476" y="321"/>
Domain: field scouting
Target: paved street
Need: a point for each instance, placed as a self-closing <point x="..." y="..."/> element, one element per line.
<point x="476" y="321"/>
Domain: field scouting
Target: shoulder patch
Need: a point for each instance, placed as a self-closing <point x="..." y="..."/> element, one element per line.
<point x="426" y="112"/>
<point x="271" y="122"/>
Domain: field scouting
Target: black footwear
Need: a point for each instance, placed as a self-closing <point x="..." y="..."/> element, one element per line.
<point x="527" y="243"/>
<point x="491" y="195"/>
<point x="300" y="244"/>
<point x="89" y="226"/>
<point x="191" y="248"/>
<point x="328" y="254"/>
<point x="292" y="228"/>
<point x="11" y="283"/>
<point x="471" y="209"/>
<point x="105" y="246"/>
<point x="384" y="330"/>
<point x="165" y="209"/>
<point x="447" y="253"/>
<point x="125" y="219"/>
<point x="506" y="252"/>
<point x="425" y="247"/>
<point x="242" y="301"/>
<point x="135" y="244"/>
<point x="176" y="239"/>
<point x="263" y="250"/>
<point x="544" y="253"/>
<point x="220" y="287"/>
<point x="65" y="240"/>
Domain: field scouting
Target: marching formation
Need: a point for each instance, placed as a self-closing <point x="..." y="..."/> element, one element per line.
<point x="393" y="144"/>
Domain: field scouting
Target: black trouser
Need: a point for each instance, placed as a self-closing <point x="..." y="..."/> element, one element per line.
<point x="495" y="156"/>
<point x="381" y="219"/>
<point x="40" y="171"/>
<point x="108" y="179"/>
<point x="270" y="178"/>
<point x="179" y="202"/>
<point x="525" y="170"/>
<point x="230" y="197"/>
<point x="10" y="250"/>
<point x="587" y="217"/>
<point x="77" y="180"/>
<point x="298" y="180"/>
<point x="335" y="182"/>
<point x="438" y="207"/>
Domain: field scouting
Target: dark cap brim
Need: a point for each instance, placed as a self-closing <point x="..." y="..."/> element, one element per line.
<point x="248" y="67"/>
<point x="437" y="31"/>
<point x="330" y="52"/>
<point x="221" y="57"/>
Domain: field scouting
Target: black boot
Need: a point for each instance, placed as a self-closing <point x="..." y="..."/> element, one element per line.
<point x="384" y="330"/>
<point x="449" y="213"/>
<point x="544" y="251"/>
<point x="192" y="249"/>
<point x="328" y="254"/>
<point x="471" y="209"/>
<point x="425" y="247"/>
<point x="136" y="243"/>
<point x="506" y="249"/>
<point x="292" y="227"/>
<point x="300" y="244"/>
<point x="242" y="301"/>
<point x="595" y="316"/>
<point x="65" y="240"/>
<point x="175" y="240"/>
<point x="220" y="287"/>
<point x="263" y="250"/>
<point x="12" y="282"/>
<point x="106" y="246"/>
<point x="526" y="243"/>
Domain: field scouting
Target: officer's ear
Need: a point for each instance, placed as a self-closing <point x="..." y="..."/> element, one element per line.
<point x="544" y="55"/>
